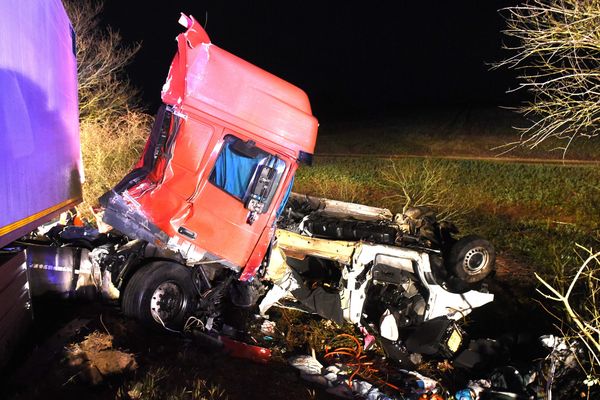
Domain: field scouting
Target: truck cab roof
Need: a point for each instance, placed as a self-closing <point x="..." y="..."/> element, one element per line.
<point x="207" y="78"/>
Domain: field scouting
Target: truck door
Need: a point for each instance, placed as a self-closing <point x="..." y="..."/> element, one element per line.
<point x="232" y="207"/>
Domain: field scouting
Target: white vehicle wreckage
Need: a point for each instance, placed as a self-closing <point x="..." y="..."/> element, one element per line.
<point x="391" y="278"/>
<point x="403" y="278"/>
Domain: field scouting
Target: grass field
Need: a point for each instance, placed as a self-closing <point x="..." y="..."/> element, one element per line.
<point x="450" y="131"/>
<point x="534" y="213"/>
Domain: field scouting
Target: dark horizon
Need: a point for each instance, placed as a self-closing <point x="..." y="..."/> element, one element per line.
<point x="352" y="60"/>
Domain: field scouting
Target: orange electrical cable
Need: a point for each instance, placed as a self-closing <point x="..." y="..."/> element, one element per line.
<point x="357" y="362"/>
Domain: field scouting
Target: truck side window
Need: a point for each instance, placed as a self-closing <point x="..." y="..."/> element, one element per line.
<point x="239" y="167"/>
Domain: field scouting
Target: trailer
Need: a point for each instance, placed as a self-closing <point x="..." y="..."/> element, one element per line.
<point x="40" y="158"/>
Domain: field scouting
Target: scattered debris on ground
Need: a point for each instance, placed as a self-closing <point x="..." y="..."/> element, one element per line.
<point x="372" y="319"/>
<point x="310" y="358"/>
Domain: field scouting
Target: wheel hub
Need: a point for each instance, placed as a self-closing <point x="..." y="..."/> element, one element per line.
<point x="166" y="302"/>
<point x="476" y="260"/>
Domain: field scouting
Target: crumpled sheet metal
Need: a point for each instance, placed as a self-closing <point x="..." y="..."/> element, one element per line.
<point x="285" y="279"/>
<point x="208" y="78"/>
<point x="243" y="350"/>
<point x="298" y="246"/>
<point x="342" y="209"/>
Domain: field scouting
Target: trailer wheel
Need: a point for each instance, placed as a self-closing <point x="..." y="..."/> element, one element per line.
<point x="472" y="259"/>
<point x="161" y="294"/>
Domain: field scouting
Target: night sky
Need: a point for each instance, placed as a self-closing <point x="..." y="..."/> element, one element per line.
<point x="351" y="58"/>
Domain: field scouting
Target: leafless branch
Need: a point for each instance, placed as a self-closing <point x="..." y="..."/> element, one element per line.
<point x="557" y="52"/>
<point x="104" y="90"/>
<point x="113" y="131"/>
<point x="582" y="312"/>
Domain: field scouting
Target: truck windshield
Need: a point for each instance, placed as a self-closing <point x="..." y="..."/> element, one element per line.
<point x="234" y="172"/>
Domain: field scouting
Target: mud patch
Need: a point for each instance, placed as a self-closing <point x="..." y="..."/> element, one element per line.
<point x="94" y="358"/>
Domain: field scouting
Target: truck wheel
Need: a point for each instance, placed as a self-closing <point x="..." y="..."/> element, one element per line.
<point x="161" y="294"/>
<point x="471" y="259"/>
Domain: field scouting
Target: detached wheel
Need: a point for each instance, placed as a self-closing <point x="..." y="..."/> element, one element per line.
<point x="160" y="294"/>
<point x="471" y="259"/>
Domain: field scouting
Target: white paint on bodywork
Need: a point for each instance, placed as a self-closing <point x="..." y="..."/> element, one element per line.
<point x="184" y="21"/>
<point x="365" y="254"/>
<point x="196" y="72"/>
<point x="342" y="209"/>
<point x="191" y="253"/>
<point x="167" y="86"/>
<point x="337" y="208"/>
<point x="287" y="284"/>
<point x="357" y="275"/>
<point x="454" y="305"/>
<point x="440" y="302"/>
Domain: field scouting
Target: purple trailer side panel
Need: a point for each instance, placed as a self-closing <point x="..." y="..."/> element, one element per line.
<point x="40" y="157"/>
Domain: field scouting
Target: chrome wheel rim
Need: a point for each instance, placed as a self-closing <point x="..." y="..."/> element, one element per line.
<point x="166" y="302"/>
<point x="476" y="260"/>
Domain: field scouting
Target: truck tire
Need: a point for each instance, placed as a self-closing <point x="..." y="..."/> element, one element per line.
<point x="160" y="294"/>
<point x="471" y="259"/>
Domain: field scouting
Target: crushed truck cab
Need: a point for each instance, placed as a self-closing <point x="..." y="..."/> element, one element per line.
<point x="200" y="210"/>
<point x="220" y="160"/>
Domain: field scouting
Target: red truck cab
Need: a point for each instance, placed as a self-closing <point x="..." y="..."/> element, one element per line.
<point x="220" y="160"/>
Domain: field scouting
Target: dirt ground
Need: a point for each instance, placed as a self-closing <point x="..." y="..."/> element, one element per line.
<point x="166" y="363"/>
<point x="169" y="365"/>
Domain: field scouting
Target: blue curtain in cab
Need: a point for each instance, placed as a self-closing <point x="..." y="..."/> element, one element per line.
<point x="232" y="172"/>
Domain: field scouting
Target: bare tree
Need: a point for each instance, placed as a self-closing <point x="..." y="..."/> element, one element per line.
<point x="113" y="130"/>
<point x="104" y="89"/>
<point x="579" y="303"/>
<point x="426" y="183"/>
<point x="556" y="49"/>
